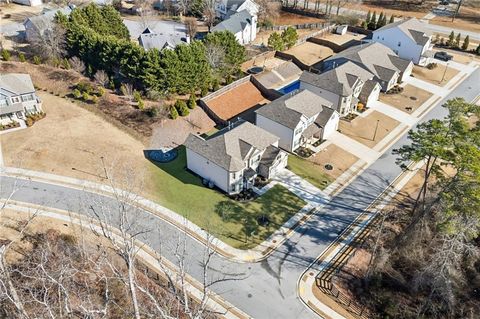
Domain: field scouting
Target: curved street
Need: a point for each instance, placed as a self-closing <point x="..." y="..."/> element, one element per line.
<point x="265" y="289"/>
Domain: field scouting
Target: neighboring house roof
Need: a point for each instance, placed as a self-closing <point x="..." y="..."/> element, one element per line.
<point x="230" y="149"/>
<point x="288" y="109"/>
<point x="324" y="116"/>
<point x="282" y="74"/>
<point x="12" y="84"/>
<point x="237" y="22"/>
<point x="367" y="89"/>
<point x="374" y="57"/>
<point x="44" y="21"/>
<point x="269" y="156"/>
<point x="340" y="80"/>
<point x="157" y="34"/>
<point x="413" y="28"/>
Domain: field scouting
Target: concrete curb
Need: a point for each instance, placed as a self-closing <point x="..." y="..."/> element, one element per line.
<point x="146" y="254"/>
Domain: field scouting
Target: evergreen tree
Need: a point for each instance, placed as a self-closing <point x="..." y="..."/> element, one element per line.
<point x="182" y="108"/>
<point x="289" y="37"/>
<point x="369" y="17"/>
<point x="451" y="39"/>
<point x="477" y="50"/>
<point x="173" y="112"/>
<point x="380" y="21"/>
<point x="392" y="19"/>
<point x="373" y="21"/>
<point x="275" y="41"/>
<point x="465" y="44"/>
<point x="235" y="53"/>
<point x="192" y="102"/>
<point x="457" y="40"/>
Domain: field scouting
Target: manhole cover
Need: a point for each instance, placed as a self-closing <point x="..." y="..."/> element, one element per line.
<point x="328" y="167"/>
<point x="249" y="295"/>
<point x="413" y="98"/>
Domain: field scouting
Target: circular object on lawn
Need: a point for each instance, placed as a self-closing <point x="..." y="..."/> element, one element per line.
<point x="413" y="98"/>
<point x="328" y="167"/>
<point x="255" y="70"/>
<point x="263" y="220"/>
<point x="162" y="156"/>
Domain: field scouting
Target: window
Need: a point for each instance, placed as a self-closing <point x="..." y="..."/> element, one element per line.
<point x="378" y="37"/>
<point x="399" y="43"/>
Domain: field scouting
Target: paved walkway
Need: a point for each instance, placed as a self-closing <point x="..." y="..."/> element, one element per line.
<point x="354" y="147"/>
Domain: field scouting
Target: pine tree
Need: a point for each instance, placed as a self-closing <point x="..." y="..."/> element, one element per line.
<point x="465" y="44"/>
<point x="192" y="101"/>
<point x="392" y="19"/>
<point x="373" y="21"/>
<point x="451" y="39"/>
<point x="477" y="50"/>
<point x="457" y="40"/>
<point x="380" y="21"/>
<point x="369" y="17"/>
<point x="173" y="112"/>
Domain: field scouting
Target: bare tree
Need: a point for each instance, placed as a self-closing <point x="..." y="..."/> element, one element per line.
<point x="209" y="12"/>
<point x="183" y="6"/>
<point x="191" y="25"/>
<point x="101" y="77"/>
<point x="215" y="55"/>
<point x="49" y="43"/>
<point x="77" y="64"/>
<point x="268" y="10"/>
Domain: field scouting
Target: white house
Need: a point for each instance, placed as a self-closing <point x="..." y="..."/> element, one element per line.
<point x="344" y="86"/>
<point x="242" y="24"/>
<point x="298" y="118"/>
<point x="381" y="61"/>
<point x="17" y="98"/>
<point x="233" y="158"/>
<point x="409" y="39"/>
<point x="32" y="3"/>
<point x="225" y="8"/>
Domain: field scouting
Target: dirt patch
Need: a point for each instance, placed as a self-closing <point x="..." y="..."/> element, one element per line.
<point x="365" y="129"/>
<point x="401" y="9"/>
<point x="71" y="141"/>
<point x="409" y="100"/>
<point x="440" y="75"/>
<point x="287" y="18"/>
<point x="340" y="160"/>
<point x="310" y="53"/>
<point x="329" y="302"/>
<point x="236" y="101"/>
<point x="467" y="19"/>
<point x="460" y="57"/>
<point x="17" y="13"/>
<point x="342" y="39"/>
<point x="171" y="133"/>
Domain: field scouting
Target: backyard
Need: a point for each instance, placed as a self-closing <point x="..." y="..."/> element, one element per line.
<point x="310" y="171"/>
<point x="236" y="223"/>
<point x="310" y="53"/>
<point x="440" y="75"/>
<point x="369" y="130"/>
<point x="410" y="99"/>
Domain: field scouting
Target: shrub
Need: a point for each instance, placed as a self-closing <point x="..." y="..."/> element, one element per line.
<point x="275" y="41"/>
<point x="95" y="99"/>
<point x="204" y="91"/>
<point x="100" y="91"/>
<point x="154" y="95"/>
<point x="192" y="102"/>
<point x="141" y="104"/>
<point x="182" y="108"/>
<point x="29" y="121"/>
<point x="152" y="111"/>
<point x="477" y="50"/>
<point x="466" y="43"/>
<point x="37" y="60"/>
<point x="85" y="96"/>
<point x="77" y="94"/>
<point x="215" y="84"/>
<point x="85" y="86"/>
<point x="431" y="66"/>
<point x="173" y="113"/>
<point x="21" y="57"/>
<point x="6" y="55"/>
<point x="66" y="64"/>
<point x="136" y="96"/>
<point x="289" y="37"/>
<point x="111" y="85"/>
<point x="267" y="23"/>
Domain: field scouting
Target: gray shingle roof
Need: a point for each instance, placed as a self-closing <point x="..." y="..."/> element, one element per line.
<point x="288" y="109"/>
<point x="367" y="89"/>
<point x="340" y="80"/>
<point x="44" y="21"/>
<point x="324" y="116"/>
<point x="161" y="41"/>
<point x="412" y="28"/>
<point x="229" y="149"/>
<point x="12" y="84"/>
<point x="158" y="34"/>
<point x="235" y="23"/>
<point x="374" y="57"/>
<point x="269" y="156"/>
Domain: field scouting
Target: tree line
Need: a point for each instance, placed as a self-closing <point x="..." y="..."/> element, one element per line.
<point x="101" y="40"/>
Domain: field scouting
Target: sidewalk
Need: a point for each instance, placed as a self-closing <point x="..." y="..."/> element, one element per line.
<point x="146" y="254"/>
<point x="255" y="254"/>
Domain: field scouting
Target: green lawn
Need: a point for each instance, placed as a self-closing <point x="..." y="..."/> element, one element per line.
<point x="308" y="171"/>
<point x="183" y="192"/>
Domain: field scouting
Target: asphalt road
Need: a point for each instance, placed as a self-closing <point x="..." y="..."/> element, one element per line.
<point x="266" y="289"/>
